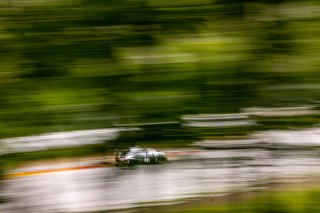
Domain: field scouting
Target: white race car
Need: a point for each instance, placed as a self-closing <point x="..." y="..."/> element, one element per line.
<point x="138" y="155"/>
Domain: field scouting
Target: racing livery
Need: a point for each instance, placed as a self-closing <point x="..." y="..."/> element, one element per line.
<point x="138" y="155"/>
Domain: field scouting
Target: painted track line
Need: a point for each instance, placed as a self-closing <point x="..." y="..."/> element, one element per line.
<point x="39" y="172"/>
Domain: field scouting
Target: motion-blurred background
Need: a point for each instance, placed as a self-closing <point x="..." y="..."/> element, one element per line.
<point x="80" y="64"/>
<point x="101" y="74"/>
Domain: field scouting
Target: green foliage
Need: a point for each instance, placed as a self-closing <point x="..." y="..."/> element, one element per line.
<point x="82" y="64"/>
<point x="273" y="201"/>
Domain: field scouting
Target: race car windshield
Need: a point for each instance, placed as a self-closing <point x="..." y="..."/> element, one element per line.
<point x="123" y="153"/>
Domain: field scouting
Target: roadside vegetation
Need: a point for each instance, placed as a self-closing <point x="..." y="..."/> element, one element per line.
<point x="294" y="199"/>
<point x="79" y="64"/>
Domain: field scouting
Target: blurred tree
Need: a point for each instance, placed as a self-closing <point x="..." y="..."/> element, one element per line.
<point x="121" y="61"/>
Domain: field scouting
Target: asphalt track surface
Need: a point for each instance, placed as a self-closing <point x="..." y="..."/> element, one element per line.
<point x="90" y="185"/>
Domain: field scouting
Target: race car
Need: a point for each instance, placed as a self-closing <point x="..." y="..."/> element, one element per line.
<point x="138" y="155"/>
